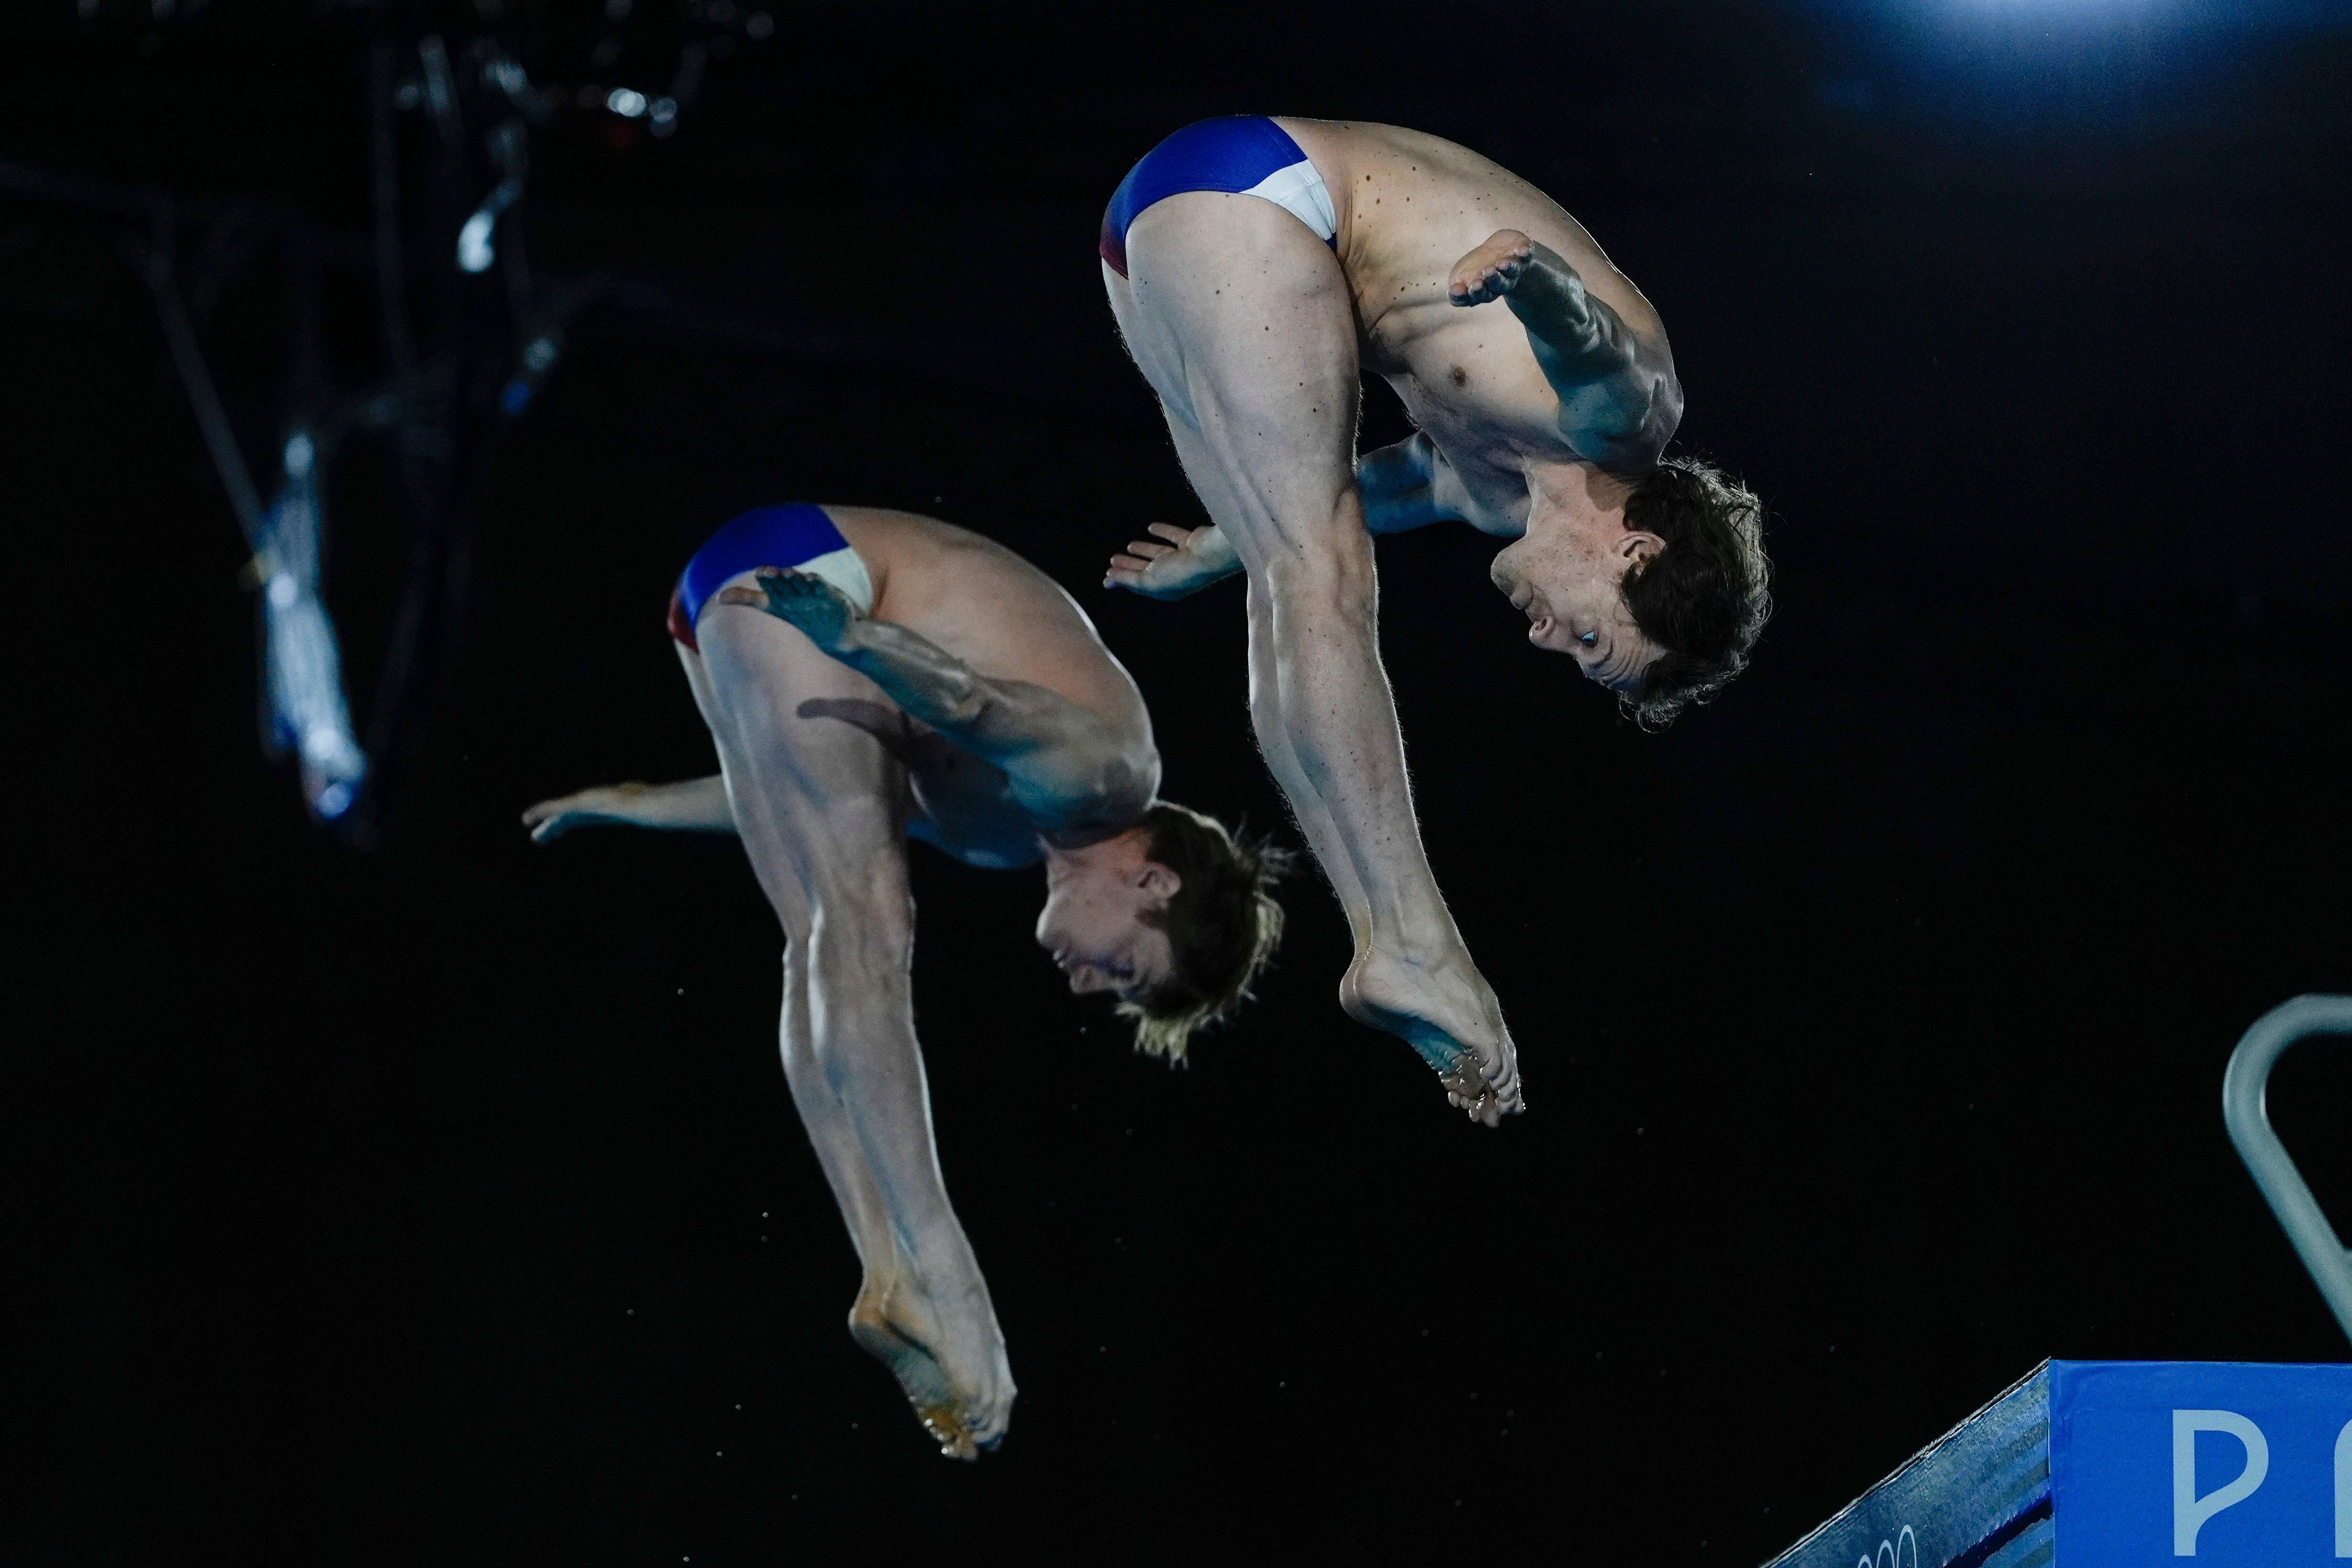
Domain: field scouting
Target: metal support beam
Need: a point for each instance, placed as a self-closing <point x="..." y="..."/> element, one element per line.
<point x="2244" y="1089"/>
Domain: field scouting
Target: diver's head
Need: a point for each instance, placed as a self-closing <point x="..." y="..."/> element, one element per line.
<point x="1175" y="916"/>
<point x="1655" y="584"/>
<point x="1095" y="923"/>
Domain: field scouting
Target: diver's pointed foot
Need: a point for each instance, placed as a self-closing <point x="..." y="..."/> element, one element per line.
<point x="950" y="1366"/>
<point x="1445" y="1011"/>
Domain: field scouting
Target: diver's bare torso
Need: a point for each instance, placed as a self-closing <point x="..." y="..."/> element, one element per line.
<point x="1410" y="206"/>
<point x="978" y="601"/>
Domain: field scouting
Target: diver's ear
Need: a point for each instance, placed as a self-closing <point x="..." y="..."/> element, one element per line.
<point x="1158" y="880"/>
<point x="1636" y="546"/>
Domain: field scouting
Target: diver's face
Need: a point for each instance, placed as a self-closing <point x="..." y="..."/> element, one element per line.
<point x="1567" y="574"/>
<point x="1093" y="928"/>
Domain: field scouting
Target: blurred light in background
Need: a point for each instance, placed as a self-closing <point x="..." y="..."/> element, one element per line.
<point x="304" y="663"/>
<point x="475" y="252"/>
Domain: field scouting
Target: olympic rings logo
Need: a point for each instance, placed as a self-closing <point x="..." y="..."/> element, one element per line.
<point x="1890" y="1552"/>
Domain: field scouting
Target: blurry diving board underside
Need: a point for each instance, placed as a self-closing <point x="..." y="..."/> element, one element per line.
<point x="2092" y="1463"/>
<point x="1977" y="1496"/>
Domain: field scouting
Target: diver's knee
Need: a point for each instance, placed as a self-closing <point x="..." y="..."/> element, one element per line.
<point x="1331" y="570"/>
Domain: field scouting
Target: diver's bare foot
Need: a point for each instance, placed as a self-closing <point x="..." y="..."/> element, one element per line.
<point x="1444" y="1010"/>
<point x="951" y="1363"/>
<point x="804" y="600"/>
<point x="1492" y="270"/>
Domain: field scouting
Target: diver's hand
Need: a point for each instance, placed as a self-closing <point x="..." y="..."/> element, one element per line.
<point x="1493" y="269"/>
<point x="551" y="819"/>
<point x="808" y="602"/>
<point x="1190" y="559"/>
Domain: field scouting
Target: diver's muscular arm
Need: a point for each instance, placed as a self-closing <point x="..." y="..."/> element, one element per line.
<point x="1399" y="485"/>
<point x="691" y="806"/>
<point x="1399" y="492"/>
<point x="1060" y="760"/>
<point x="1618" y="400"/>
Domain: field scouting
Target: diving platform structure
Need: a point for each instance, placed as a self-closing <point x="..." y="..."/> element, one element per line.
<point x="2143" y="1464"/>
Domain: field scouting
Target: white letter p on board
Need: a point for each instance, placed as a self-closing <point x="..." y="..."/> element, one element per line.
<point x="2191" y="1512"/>
<point x="2344" y="1491"/>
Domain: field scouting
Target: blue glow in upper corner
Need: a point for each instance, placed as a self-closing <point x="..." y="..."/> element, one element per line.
<point x="2082" y="17"/>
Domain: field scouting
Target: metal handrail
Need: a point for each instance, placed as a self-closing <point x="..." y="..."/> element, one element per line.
<point x="2244" y="1090"/>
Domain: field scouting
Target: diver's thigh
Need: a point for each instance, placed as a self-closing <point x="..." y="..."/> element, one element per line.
<point x="817" y="794"/>
<point x="1242" y="320"/>
<point x="1147" y="341"/>
<point x="697" y="680"/>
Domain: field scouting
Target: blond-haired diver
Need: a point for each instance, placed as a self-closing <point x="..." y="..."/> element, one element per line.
<point x="870" y="675"/>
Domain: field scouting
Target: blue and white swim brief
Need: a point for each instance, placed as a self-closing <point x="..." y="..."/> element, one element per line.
<point x="1244" y="155"/>
<point x="800" y="536"/>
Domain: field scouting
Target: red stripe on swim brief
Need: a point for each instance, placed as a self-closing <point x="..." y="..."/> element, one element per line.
<point x="1112" y="247"/>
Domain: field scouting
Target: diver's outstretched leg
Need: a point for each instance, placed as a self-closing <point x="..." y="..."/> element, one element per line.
<point x="820" y="806"/>
<point x="1244" y="324"/>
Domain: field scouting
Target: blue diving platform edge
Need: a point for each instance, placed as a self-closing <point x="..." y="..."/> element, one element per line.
<point x="2092" y="1463"/>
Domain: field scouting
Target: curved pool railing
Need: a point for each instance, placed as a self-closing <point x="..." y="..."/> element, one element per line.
<point x="2243" y="1088"/>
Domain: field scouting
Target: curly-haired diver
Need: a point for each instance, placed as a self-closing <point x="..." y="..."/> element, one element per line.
<point x="869" y="676"/>
<point x="1256" y="267"/>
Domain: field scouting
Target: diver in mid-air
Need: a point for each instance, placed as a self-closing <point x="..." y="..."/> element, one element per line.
<point x="1257" y="266"/>
<point x="870" y="675"/>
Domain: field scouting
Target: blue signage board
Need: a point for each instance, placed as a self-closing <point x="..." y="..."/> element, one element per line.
<point x="2095" y="1464"/>
<point x="2223" y="1464"/>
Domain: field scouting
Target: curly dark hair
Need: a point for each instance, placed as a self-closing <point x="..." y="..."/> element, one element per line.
<point x="1223" y="925"/>
<point x="1704" y="596"/>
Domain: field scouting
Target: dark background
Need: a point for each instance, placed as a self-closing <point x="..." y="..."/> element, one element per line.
<point x="444" y="1203"/>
